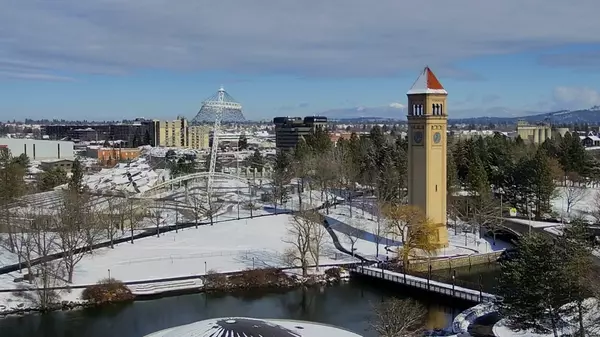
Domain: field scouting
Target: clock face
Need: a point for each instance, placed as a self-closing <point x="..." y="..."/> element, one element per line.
<point x="437" y="137"/>
<point x="418" y="137"/>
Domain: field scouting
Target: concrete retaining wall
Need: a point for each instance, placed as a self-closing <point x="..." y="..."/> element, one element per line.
<point x="454" y="262"/>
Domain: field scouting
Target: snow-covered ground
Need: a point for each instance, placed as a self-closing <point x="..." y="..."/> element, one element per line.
<point x="582" y="206"/>
<point x="371" y="237"/>
<point x="583" y="202"/>
<point x="229" y="246"/>
<point x="568" y="328"/>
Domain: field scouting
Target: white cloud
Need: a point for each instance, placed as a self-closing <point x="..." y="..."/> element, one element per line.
<point x="575" y="97"/>
<point x="396" y="105"/>
<point x="311" y="37"/>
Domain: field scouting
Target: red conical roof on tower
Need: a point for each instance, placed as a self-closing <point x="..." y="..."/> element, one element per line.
<point x="427" y="83"/>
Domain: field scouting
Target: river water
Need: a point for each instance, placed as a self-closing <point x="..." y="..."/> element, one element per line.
<point x="347" y="305"/>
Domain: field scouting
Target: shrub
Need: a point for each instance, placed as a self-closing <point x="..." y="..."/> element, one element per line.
<point x="214" y="280"/>
<point x="107" y="290"/>
<point x="334" y="272"/>
<point x="257" y="278"/>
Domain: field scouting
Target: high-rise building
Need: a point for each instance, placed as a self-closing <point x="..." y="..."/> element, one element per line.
<point x="289" y="130"/>
<point x="427" y="148"/>
<point x="171" y="133"/>
<point x="178" y="133"/>
<point x="198" y="137"/>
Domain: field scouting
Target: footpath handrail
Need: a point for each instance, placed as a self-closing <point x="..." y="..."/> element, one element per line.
<point x="427" y="284"/>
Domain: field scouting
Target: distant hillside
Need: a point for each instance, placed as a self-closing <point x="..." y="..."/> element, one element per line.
<point x="391" y="112"/>
<point x="590" y="116"/>
<point x="505" y="116"/>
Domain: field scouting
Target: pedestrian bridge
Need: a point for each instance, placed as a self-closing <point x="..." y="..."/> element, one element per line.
<point x="450" y="290"/>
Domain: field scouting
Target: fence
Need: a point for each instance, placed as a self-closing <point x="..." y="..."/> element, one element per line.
<point x="177" y="278"/>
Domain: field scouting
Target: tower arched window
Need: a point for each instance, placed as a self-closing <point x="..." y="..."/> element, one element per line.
<point x="441" y="109"/>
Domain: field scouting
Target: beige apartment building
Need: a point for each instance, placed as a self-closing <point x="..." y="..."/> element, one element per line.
<point x="198" y="137"/>
<point x="179" y="134"/>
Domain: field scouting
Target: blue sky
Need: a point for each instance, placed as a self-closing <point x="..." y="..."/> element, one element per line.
<point x="114" y="59"/>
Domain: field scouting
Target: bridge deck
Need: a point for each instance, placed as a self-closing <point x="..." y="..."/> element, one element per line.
<point x="425" y="284"/>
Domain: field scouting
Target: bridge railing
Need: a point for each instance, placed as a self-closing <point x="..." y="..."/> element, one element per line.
<point x="451" y="289"/>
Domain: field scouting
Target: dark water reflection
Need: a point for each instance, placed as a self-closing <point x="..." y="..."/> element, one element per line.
<point x="347" y="305"/>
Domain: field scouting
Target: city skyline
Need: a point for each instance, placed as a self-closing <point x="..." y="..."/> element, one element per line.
<point x="113" y="60"/>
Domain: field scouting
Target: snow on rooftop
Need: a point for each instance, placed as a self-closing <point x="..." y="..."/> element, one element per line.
<point x="427" y="83"/>
<point x="162" y="151"/>
<point x="124" y="177"/>
<point x="250" y="327"/>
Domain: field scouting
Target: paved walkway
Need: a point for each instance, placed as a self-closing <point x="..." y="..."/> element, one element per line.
<point x="362" y="234"/>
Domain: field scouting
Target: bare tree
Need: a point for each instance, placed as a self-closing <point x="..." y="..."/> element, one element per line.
<point x="196" y="206"/>
<point x="595" y="207"/>
<point x="485" y="214"/>
<point x="135" y="214"/>
<point x="573" y="194"/>
<point x="211" y="208"/>
<point x="318" y="237"/>
<point x="75" y="226"/>
<point x="353" y="232"/>
<point x="379" y="230"/>
<point x="43" y="241"/>
<point x="110" y="218"/>
<point x="157" y="213"/>
<point x="300" y="236"/>
<point x="20" y="243"/>
<point x="326" y="174"/>
<point x="399" y="318"/>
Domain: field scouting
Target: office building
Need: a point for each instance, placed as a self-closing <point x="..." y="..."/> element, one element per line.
<point x="290" y="130"/>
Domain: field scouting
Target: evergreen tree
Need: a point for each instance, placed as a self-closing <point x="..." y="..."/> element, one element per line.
<point x="533" y="286"/>
<point x="572" y="155"/>
<point x="400" y="156"/>
<point x="22" y="160"/>
<point x="48" y="180"/>
<point x="451" y="174"/>
<point x="377" y="137"/>
<point x="76" y="181"/>
<point x="242" y="142"/>
<point x="282" y="174"/>
<point x="318" y="141"/>
<point x="183" y="166"/>
<point x="477" y="181"/>
<point x="577" y="245"/>
<point x="542" y="182"/>
<point x="257" y="161"/>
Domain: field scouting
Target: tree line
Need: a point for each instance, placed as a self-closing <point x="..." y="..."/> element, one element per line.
<point x="72" y="225"/>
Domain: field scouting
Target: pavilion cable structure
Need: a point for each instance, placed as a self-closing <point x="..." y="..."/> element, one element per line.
<point x="218" y="108"/>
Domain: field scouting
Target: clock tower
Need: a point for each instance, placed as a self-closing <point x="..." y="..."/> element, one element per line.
<point x="427" y="148"/>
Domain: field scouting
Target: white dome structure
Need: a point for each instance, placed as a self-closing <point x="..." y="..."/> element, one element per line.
<point x="253" y="327"/>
